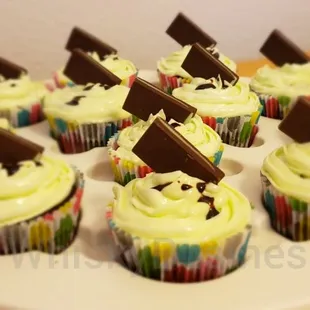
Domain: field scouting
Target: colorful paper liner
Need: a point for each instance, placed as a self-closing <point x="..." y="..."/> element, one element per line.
<point x="276" y="107"/>
<point x="125" y="170"/>
<point x="237" y="131"/>
<point x="23" y="116"/>
<point x="61" y="82"/>
<point x="51" y="232"/>
<point x="169" y="83"/>
<point x="289" y="216"/>
<point x="76" y="138"/>
<point x="165" y="260"/>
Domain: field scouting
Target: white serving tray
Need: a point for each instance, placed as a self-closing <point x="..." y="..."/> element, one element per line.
<point x="87" y="277"/>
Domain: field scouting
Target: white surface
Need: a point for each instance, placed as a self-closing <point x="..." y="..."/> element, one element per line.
<point x="87" y="277"/>
<point x="34" y="32"/>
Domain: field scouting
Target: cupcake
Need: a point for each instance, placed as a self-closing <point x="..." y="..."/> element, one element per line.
<point x="40" y="201"/>
<point x="128" y="166"/>
<point x="122" y="68"/>
<point x="176" y="228"/>
<point x="286" y="182"/>
<point x="84" y="117"/>
<point x="232" y="111"/>
<point x="21" y="99"/>
<point x="172" y="75"/>
<point x="279" y="88"/>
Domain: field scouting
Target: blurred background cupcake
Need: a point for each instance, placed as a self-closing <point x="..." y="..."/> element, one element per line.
<point x="4" y="124"/>
<point x="84" y="117"/>
<point x="40" y="203"/>
<point x="286" y="182"/>
<point x="21" y="100"/>
<point x="279" y="88"/>
<point x="175" y="228"/>
<point x="233" y="111"/>
<point x="127" y="166"/>
<point x="102" y="53"/>
<point x="172" y="75"/>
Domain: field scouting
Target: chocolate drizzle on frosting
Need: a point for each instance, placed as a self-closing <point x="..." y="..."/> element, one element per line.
<point x="201" y="186"/>
<point x="186" y="187"/>
<point x="91" y="86"/>
<point x="13" y="168"/>
<point x="205" y="86"/>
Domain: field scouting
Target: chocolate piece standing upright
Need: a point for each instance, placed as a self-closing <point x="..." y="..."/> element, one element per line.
<point x="85" y="41"/>
<point x="15" y="148"/>
<point x="9" y="70"/>
<point x="185" y="32"/>
<point x="145" y="99"/>
<point x="82" y="69"/>
<point x="281" y="50"/>
<point x="165" y="150"/>
<point x="200" y="63"/>
<point x="296" y="123"/>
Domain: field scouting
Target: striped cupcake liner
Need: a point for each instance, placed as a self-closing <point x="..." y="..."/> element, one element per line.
<point x="61" y="81"/>
<point x="276" y="107"/>
<point x="125" y="170"/>
<point x="23" y="116"/>
<point x="165" y="260"/>
<point x="76" y="138"/>
<point x="289" y="216"/>
<point x="237" y="131"/>
<point x="51" y="232"/>
<point x="169" y="83"/>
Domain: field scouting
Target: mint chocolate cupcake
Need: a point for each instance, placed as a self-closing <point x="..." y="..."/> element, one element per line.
<point x="233" y="112"/>
<point x="40" y="201"/>
<point x="21" y="100"/>
<point x="122" y="68"/>
<point x="286" y="182"/>
<point x="175" y="228"/>
<point x="172" y="75"/>
<point x="279" y="88"/>
<point x="84" y="117"/>
<point x="128" y="166"/>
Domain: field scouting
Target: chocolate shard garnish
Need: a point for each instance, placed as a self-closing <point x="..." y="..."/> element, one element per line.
<point x="185" y="32"/>
<point x="15" y="149"/>
<point x="82" y="69"/>
<point x="145" y="99"/>
<point x="85" y="41"/>
<point x="296" y="123"/>
<point x="200" y="63"/>
<point x="280" y="50"/>
<point x="9" y="70"/>
<point x="165" y="150"/>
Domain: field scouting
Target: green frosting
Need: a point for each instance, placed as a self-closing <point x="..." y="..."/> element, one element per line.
<point x="288" y="170"/>
<point x="288" y="81"/>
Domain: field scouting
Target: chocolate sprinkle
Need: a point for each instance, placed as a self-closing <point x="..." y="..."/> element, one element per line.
<point x="186" y="187"/>
<point x="205" y="86"/>
<point x="161" y="186"/>
<point x="75" y="101"/>
<point x="201" y="186"/>
<point x="175" y="125"/>
<point x="212" y="213"/>
<point x="206" y="199"/>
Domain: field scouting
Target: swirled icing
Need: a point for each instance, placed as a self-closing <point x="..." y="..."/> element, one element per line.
<point x="234" y="100"/>
<point x="288" y="170"/>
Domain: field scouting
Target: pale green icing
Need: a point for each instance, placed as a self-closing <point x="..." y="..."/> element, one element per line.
<point x="98" y="105"/>
<point x="171" y="65"/>
<point x="290" y="80"/>
<point x="176" y="214"/>
<point x="121" y="67"/>
<point x="234" y="100"/>
<point x="20" y="92"/>
<point x="4" y="123"/>
<point x="288" y="170"/>
<point x="203" y="137"/>
<point x="33" y="189"/>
